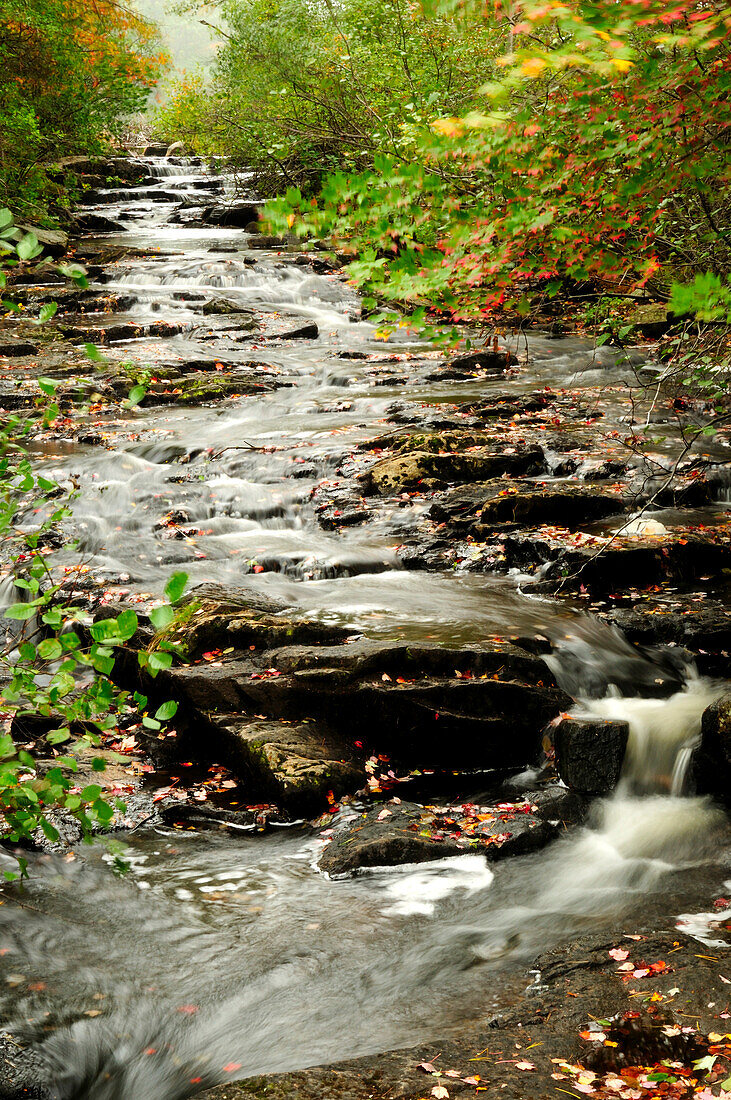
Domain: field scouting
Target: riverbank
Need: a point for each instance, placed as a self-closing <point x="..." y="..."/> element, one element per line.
<point x="405" y="571"/>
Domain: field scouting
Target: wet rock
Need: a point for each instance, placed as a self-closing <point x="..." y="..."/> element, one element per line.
<point x="264" y="240"/>
<point x="224" y="618"/>
<point x="304" y="332"/>
<point x="524" y="502"/>
<point x="97" y="223"/>
<point x="568" y="560"/>
<point x="486" y="359"/>
<point x="296" y="765"/>
<point x="13" y="349"/>
<point x="418" y="468"/>
<point x="252" y="820"/>
<point x="423" y="706"/>
<point x="23" y="1075"/>
<point x="590" y="754"/>
<point x="220" y="305"/>
<point x="556" y="803"/>
<point x="706" y="632"/>
<point x="711" y="765"/>
<point x="117" y="333"/>
<point x="238" y="214"/>
<point x="404" y="832"/>
<point x="504" y="408"/>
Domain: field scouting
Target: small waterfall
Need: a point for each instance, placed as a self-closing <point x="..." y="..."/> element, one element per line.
<point x="662" y="735"/>
<point x="162" y="169"/>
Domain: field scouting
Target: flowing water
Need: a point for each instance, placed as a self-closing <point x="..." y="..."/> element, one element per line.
<point x="218" y="956"/>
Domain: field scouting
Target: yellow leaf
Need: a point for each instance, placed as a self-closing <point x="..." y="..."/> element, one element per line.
<point x="290" y="220"/>
<point x="450" y="127"/>
<point x="622" y="64"/>
<point x="533" y="66"/>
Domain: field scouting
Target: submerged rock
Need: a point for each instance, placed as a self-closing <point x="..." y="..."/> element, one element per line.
<point x="590" y="753"/>
<point x="404" y="832"/>
<point x="304" y="332"/>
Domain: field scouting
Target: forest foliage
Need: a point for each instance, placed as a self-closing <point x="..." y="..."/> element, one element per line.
<point x="478" y="158"/>
<point x="70" y="71"/>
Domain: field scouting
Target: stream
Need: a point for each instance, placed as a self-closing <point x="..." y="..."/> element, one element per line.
<point x="219" y="957"/>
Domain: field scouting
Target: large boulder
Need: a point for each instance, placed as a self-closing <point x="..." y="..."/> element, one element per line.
<point x="426" y="706"/>
<point x="424" y="468"/>
<point x="404" y="832"/>
<point x="711" y="767"/>
<point x="590" y="754"/>
<point x="298" y="766"/>
<point x="491" y="360"/>
<point x="237" y="213"/>
<point x="492" y="503"/>
<point x="97" y="223"/>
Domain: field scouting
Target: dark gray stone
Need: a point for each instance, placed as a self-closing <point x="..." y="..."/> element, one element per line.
<point x="396" y="833"/>
<point x="590" y="753"/>
<point x="487" y="359"/>
<point x="711" y="766"/>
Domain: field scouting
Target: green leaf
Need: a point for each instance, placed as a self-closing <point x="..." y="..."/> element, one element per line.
<point x="167" y="710"/>
<point x="46" y="312"/>
<point x="158" y="660"/>
<point x="29" y="247"/>
<point x="57" y="737"/>
<point x="136" y="394"/>
<point x="91" y="793"/>
<point x="6" y="218"/>
<point x="127" y="624"/>
<point x="99" y="764"/>
<point x="20" y="611"/>
<point x="50" y="649"/>
<point x="176" y="586"/>
<point x="160" y="617"/>
<point x="150" y="723"/>
<point x="48" y="385"/>
<point x="92" y="352"/>
<point x="48" y="830"/>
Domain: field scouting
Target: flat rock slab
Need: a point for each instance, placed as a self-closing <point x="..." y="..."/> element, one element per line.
<point x="297" y="765"/>
<point x="296" y="721"/>
<point x="424" y="468"/>
<point x="605" y="564"/>
<point x="490" y="503"/>
<point x="404" y="832"/>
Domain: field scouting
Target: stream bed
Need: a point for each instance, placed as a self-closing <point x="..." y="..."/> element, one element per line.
<point x="223" y="956"/>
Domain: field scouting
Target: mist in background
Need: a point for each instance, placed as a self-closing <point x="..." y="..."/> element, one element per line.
<point x="191" y="45"/>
